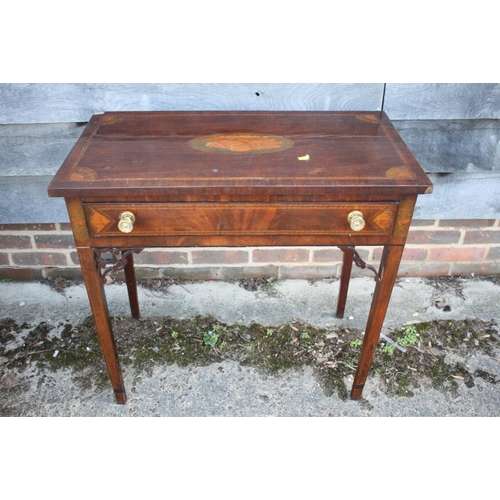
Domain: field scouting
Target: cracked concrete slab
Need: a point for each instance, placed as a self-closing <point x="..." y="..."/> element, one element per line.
<point x="229" y="389"/>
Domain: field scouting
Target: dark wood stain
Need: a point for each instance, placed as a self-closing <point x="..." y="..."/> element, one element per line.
<point x="148" y="154"/>
<point x="143" y="162"/>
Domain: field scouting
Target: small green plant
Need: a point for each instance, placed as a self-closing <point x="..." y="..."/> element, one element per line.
<point x="269" y="332"/>
<point x="304" y="336"/>
<point x="388" y="348"/>
<point x="210" y="338"/>
<point x="409" y="337"/>
<point x="174" y="334"/>
<point x="223" y="344"/>
<point x="270" y="285"/>
<point x="355" y="343"/>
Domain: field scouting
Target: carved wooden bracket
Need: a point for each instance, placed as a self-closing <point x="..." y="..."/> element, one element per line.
<point x="111" y="260"/>
<point x="359" y="261"/>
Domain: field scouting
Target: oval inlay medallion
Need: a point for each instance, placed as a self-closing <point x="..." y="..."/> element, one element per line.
<point x="83" y="174"/>
<point x="241" y="143"/>
<point x="398" y="173"/>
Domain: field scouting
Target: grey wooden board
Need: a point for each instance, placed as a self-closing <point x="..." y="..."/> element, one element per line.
<point x="77" y="102"/>
<point x="456" y="196"/>
<point x="36" y="149"/>
<point x="24" y="200"/>
<point x="461" y="196"/>
<point x="442" y="101"/>
<point x="439" y="146"/>
<point x="453" y="145"/>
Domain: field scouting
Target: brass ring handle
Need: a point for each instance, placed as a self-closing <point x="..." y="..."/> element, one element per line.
<point x="356" y="220"/>
<point x="126" y="222"/>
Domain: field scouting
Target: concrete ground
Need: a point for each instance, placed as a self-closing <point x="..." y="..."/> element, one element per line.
<point x="227" y="388"/>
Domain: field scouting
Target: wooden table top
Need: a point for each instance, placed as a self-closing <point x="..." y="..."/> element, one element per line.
<point x="239" y="155"/>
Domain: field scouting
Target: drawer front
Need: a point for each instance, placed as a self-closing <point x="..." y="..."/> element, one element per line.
<point x="225" y="219"/>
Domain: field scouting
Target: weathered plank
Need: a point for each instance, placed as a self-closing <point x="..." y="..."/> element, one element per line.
<point x="442" y="101"/>
<point x="453" y="145"/>
<point x="36" y="149"/>
<point x="461" y="196"/>
<point x="77" y="102"/>
<point x="25" y="200"/>
<point x="455" y="196"/>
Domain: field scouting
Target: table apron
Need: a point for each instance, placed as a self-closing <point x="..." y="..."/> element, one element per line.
<point x="211" y="224"/>
<point x="236" y="241"/>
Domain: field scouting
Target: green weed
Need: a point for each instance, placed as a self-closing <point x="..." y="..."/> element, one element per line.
<point x="409" y="337"/>
<point x="388" y="348"/>
<point x="210" y="338"/>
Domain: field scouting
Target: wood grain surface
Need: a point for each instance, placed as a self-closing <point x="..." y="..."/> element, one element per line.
<point x="462" y="196"/>
<point x="442" y="101"/>
<point x="453" y="145"/>
<point x="150" y="155"/>
<point x="36" y="149"/>
<point x="34" y="144"/>
<point x="77" y="102"/>
<point x="439" y="145"/>
<point x="158" y="219"/>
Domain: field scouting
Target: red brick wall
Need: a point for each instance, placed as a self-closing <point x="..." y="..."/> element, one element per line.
<point x="434" y="248"/>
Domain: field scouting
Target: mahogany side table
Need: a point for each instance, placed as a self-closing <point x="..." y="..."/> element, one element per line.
<point x="183" y="179"/>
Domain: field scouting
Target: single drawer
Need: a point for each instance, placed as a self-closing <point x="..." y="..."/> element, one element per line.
<point x="199" y="219"/>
